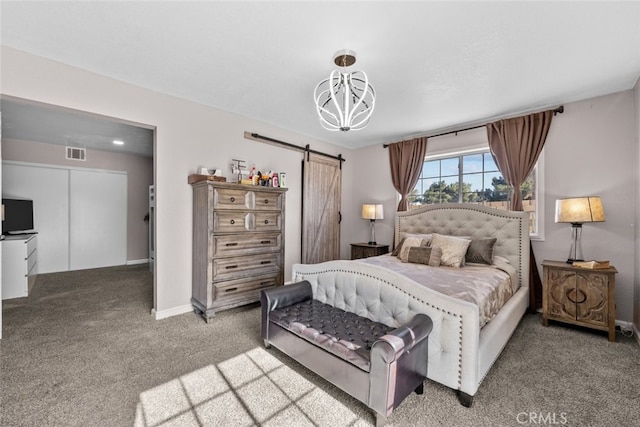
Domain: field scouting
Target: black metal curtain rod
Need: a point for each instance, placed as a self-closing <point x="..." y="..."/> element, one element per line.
<point x="558" y="110"/>
<point x="306" y="148"/>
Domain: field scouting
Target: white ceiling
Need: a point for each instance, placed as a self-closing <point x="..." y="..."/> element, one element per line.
<point x="435" y="66"/>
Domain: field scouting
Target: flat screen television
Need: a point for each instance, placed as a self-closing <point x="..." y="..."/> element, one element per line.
<point x="17" y="216"/>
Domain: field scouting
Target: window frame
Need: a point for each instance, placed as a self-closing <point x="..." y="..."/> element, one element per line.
<point x="539" y="184"/>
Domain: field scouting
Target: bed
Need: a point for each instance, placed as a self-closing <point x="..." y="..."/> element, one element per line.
<point x="464" y="343"/>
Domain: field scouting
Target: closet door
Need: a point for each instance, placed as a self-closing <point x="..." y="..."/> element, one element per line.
<point x="49" y="190"/>
<point x="98" y="219"/>
<point x="322" y="191"/>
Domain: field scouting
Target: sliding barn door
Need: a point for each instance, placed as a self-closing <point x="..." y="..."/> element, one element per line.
<point x="322" y="190"/>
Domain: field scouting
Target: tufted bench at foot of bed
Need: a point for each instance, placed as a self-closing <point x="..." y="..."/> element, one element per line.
<point x="375" y="363"/>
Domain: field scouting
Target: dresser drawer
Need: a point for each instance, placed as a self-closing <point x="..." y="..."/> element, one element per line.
<point x="247" y="243"/>
<point x="232" y="267"/>
<point x="233" y="222"/>
<point x="243" y="290"/>
<point x="268" y="221"/>
<point x="267" y="201"/>
<point x="232" y="198"/>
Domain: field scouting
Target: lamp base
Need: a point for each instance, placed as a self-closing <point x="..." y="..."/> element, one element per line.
<point x="571" y="260"/>
<point x="373" y="243"/>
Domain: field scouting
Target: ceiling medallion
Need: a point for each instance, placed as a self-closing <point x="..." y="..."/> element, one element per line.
<point x="344" y="101"/>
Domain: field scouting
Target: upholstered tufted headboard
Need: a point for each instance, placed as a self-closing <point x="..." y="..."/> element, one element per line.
<point x="461" y="219"/>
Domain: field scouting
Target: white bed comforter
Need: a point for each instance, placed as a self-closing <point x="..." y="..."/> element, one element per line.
<point x="487" y="286"/>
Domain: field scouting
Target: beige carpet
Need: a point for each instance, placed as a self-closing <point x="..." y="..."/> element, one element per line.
<point x="83" y="350"/>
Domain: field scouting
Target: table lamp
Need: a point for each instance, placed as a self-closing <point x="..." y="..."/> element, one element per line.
<point x="577" y="211"/>
<point x="372" y="212"/>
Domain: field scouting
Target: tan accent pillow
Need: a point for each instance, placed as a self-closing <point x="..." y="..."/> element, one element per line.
<point x="426" y="240"/>
<point x="453" y="249"/>
<point x="408" y="243"/>
<point x="425" y="255"/>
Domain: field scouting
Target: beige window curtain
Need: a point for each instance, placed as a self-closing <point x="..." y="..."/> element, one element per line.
<point x="406" y="159"/>
<point x="515" y="145"/>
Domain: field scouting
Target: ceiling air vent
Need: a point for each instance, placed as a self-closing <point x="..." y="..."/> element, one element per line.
<point x="74" y="153"/>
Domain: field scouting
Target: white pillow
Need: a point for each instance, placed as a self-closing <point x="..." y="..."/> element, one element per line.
<point x="408" y="243"/>
<point x="453" y="249"/>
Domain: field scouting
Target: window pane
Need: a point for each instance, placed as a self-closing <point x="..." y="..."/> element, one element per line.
<point x="449" y="166"/>
<point x="472" y="182"/>
<point x="472" y="163"/>
<point x="489" y="164"/>
<point x="431" y="168"/>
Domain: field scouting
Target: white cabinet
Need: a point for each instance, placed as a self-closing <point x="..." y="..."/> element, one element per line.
<point x="19" y="265"/>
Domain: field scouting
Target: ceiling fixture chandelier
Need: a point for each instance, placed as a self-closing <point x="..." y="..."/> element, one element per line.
<point x="344" y="101"/>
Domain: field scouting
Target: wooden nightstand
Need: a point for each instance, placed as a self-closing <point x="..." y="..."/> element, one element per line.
<point x="365" y="250"/>
<point x="579" y="296"/>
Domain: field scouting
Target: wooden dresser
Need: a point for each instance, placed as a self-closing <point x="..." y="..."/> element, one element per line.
<point x="238" y="244"/>
<point x="579" y="296"/>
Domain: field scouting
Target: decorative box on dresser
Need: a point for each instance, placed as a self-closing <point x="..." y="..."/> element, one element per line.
<point x="238" y="244"/>
<point x="579" y="296"/>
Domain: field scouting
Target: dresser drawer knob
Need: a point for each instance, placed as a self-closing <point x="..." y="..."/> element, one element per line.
<point x="231" y="244"/>
<point x="265" y="283"/>
<point x="233" y="199"/>
<point x="231" y="289"/>
<point x="266" y="221"/>
<point x="230" y="267"/>
<point x="265" y="242"/>
<point x="233" y="221"/>
<point x="266" y="201"/>
<point x="265" y="262"/>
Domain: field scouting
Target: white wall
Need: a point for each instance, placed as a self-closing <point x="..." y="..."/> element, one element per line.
<point x="188" y="135"/>
<point x="590" y="150"/>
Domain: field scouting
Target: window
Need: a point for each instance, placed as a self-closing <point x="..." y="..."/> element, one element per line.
<point x="473" y="177"/>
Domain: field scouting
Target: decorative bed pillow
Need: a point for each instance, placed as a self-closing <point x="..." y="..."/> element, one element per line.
<point x="425" y="255"/>
<point x="453" y="249"/>
<point x="425" y="241"/>
<point x="481" y="251"/>
<point x="409" y="242"/>
<point x="396" y="250"/>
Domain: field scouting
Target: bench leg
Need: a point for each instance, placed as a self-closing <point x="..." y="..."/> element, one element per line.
<point x="465" y="399"/>
<point x="381" y="420"/>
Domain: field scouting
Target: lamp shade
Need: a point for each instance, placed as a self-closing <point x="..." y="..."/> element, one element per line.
<point x="579" y="210"/>
<point x="372" y="212"/>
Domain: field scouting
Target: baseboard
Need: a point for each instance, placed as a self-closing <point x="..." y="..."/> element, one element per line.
<point x="624" y="325"/>
<point x="137" y="261"/>
<point x="636" y="334"/>
<point x="175" y="311"/>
